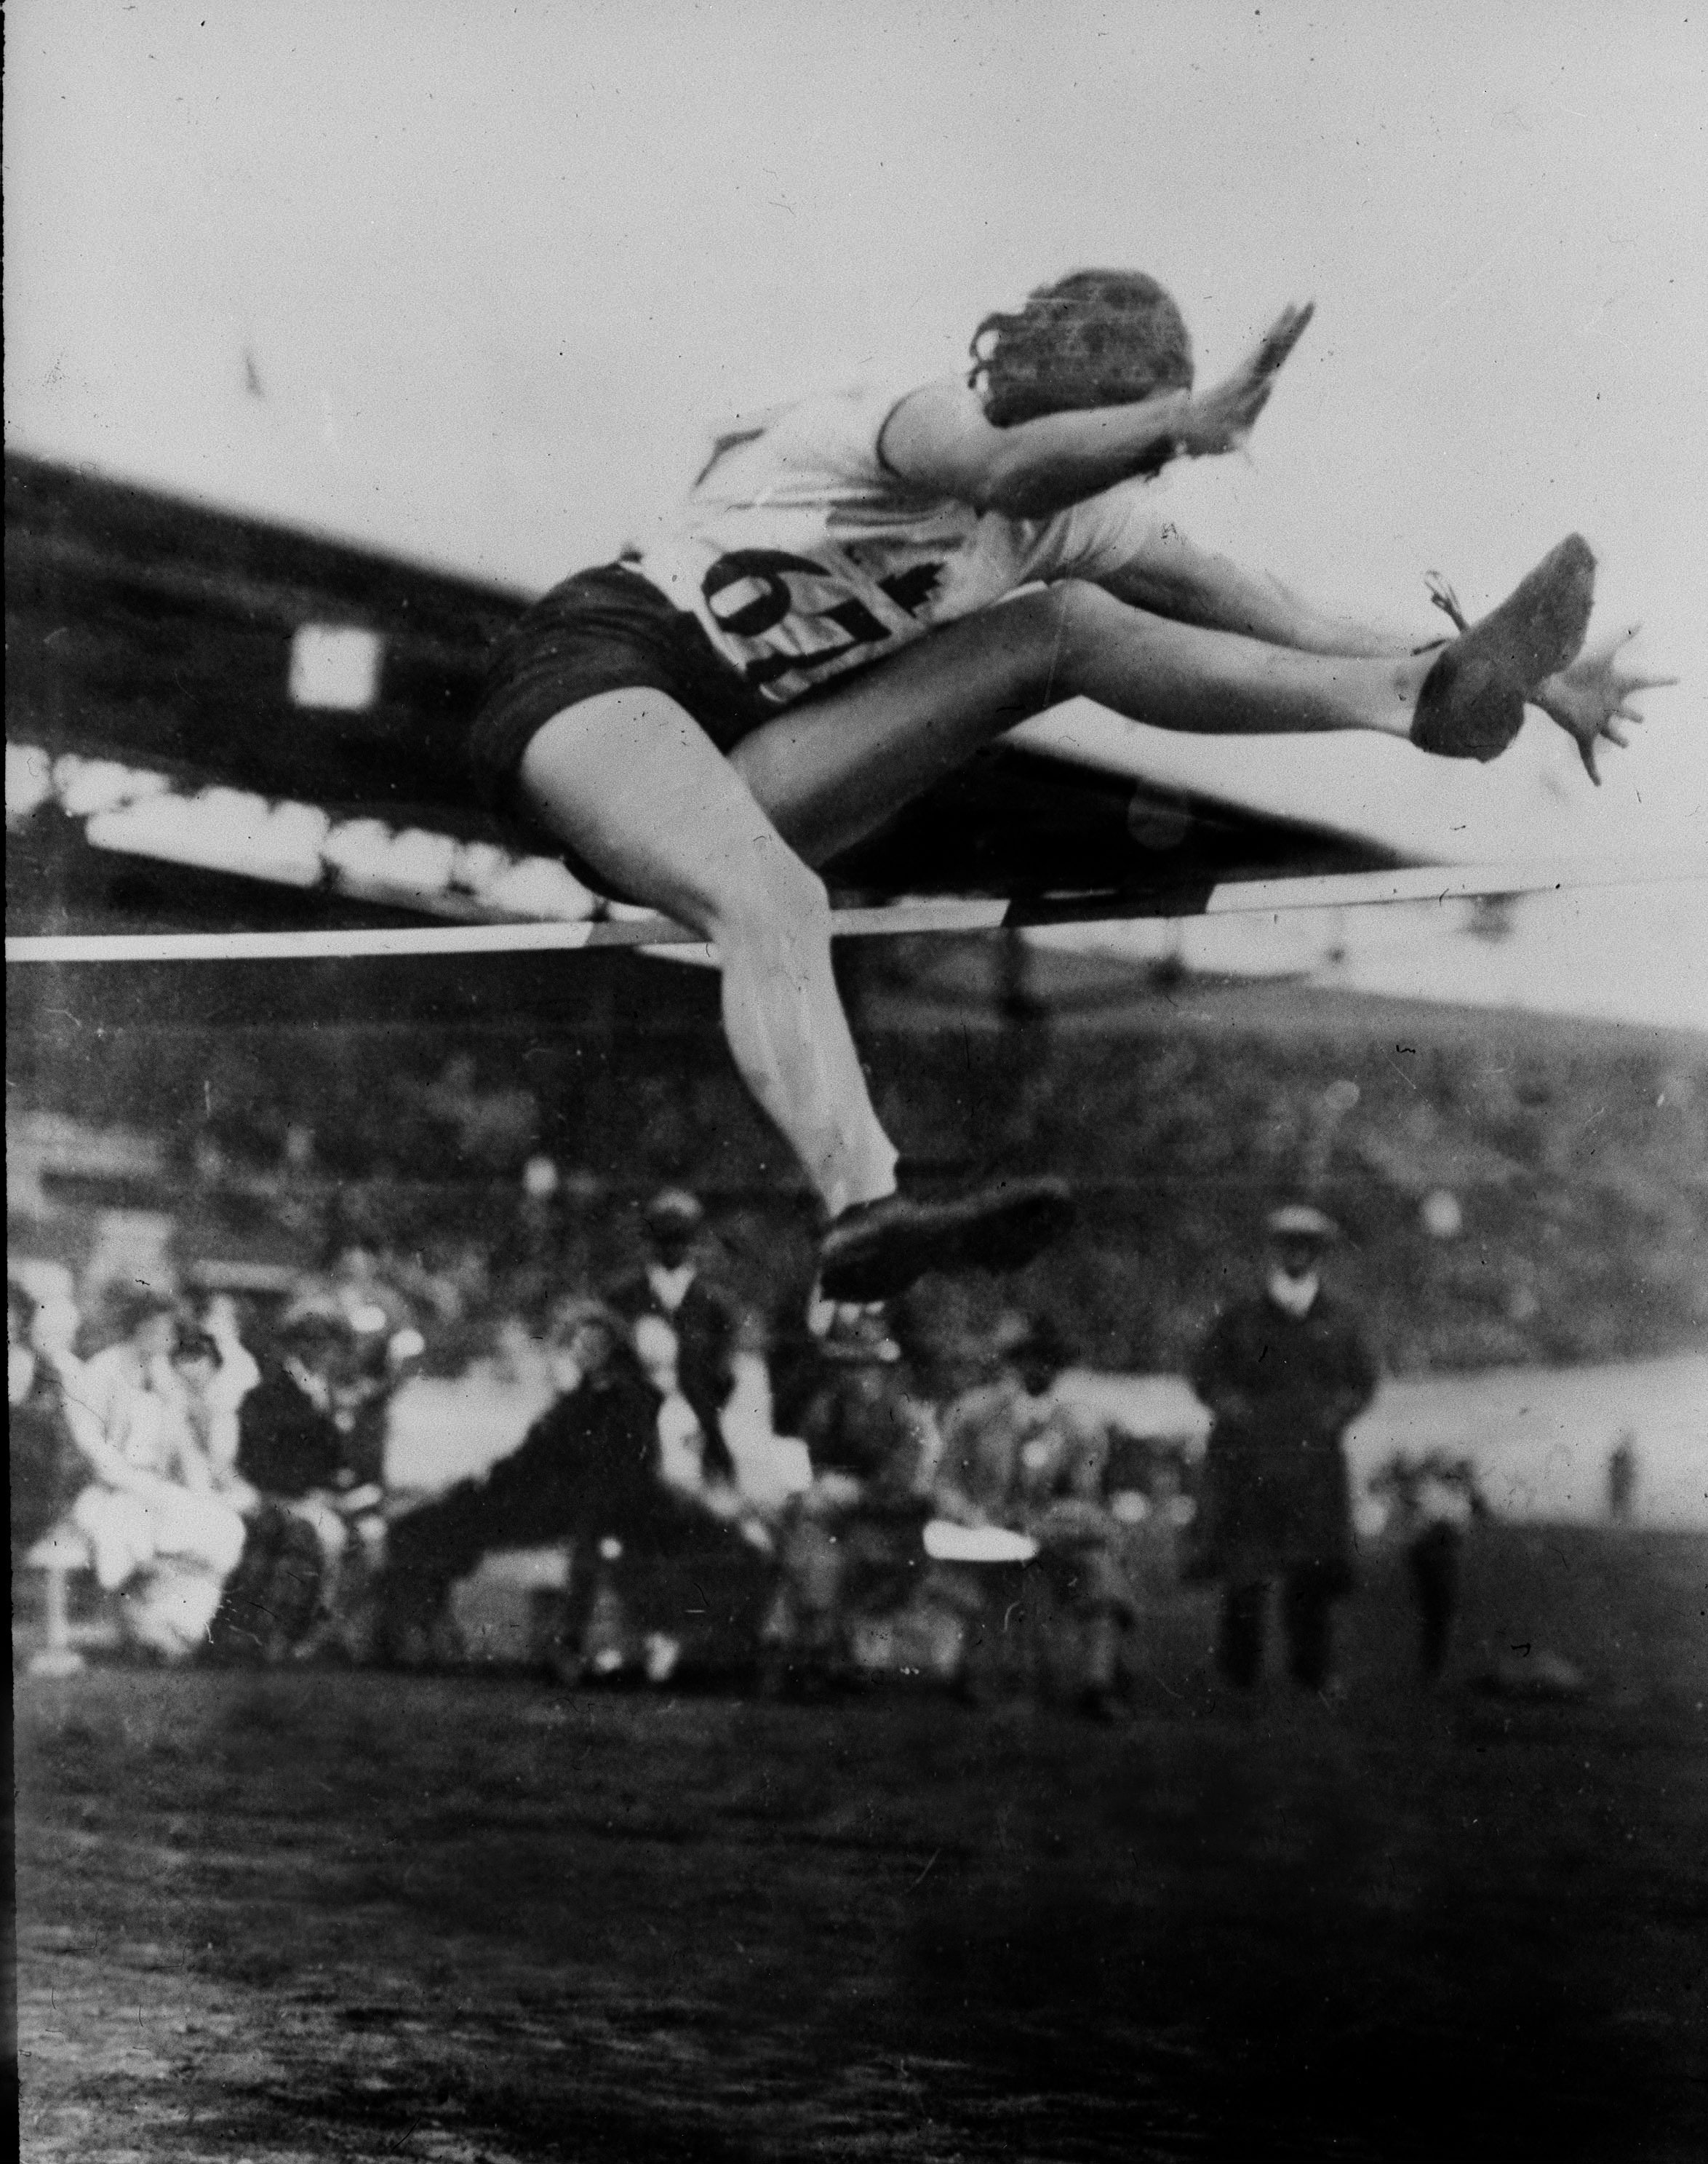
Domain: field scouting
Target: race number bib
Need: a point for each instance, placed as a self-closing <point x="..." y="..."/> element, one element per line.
<point x="789" y="623"/>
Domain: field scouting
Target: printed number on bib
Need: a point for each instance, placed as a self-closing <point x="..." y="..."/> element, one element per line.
<point x="769" y="600"/>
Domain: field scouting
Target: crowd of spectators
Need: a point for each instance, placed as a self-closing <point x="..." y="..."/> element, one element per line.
<point x="228" y="1473"/>
<point x="133" y="1437"/>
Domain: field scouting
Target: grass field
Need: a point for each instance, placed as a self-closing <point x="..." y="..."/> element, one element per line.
<point x="324" y="1915"/>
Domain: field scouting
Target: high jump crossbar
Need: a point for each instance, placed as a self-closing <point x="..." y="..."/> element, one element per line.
<point x="1423" y="883"/>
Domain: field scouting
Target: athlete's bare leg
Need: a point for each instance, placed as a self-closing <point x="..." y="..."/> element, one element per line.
<point x="724" y="845"/>
<point x="833" y="767"/>
<point x="633" y="783"/>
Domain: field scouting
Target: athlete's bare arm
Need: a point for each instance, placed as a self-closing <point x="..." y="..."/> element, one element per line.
<point x="939" y="438"/>
<point x="1220" y="419"/>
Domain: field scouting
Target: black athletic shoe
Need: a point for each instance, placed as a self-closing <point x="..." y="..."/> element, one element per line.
<point x="876" y="1249"/>
<point x="1472" y="702"/>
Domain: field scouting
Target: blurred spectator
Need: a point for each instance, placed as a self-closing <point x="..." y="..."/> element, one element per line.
<point x="794" y="1341"/>
<point x="1621" y="1479"/>
<point x="702" y="1318"/>
<point x="493" y="1128"/>
<point x="1283" y="1374"/>
<point x="209" y="1395"/>
<point x="46" y="1469"/>
<point x="850" y="1545"/>
<point x="160" y="1533"/>
<point x="866" y="1424"/>
<point x="286" y="1442"/>
<point x="663" y="1571"/>
<point x="1018" y="1453"/>
<point x="286" y="1470"/>
<point x="239" y="1369"/>
<point x="947" y="1328"/>
<point x="1432" y="1500"/>
<point x="380" y="1346"/>
<point x="589" y="1469"/>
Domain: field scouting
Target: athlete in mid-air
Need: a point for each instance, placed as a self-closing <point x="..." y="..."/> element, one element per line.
<point x="826" y="629"/>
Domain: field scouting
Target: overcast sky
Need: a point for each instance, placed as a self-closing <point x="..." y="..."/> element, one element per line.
<point x="475" y="282"/>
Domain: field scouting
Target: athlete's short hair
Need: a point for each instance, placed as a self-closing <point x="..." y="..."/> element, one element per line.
<point x="1095" y="338"/>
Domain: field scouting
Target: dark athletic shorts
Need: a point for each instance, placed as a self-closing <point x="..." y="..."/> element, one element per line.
<point x="608" y="630"/>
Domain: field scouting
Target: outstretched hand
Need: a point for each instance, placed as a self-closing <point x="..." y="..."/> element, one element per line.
<point x="1222" y="418"/>
<point x="1590" y="698"/>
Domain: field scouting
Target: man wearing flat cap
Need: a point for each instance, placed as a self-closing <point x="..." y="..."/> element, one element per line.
<point x="1284" y="1374"/>
<point x="702" y="1318"/>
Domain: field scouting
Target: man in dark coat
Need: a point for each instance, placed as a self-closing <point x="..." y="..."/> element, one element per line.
<point x="1283" y="1374"/>
<point x="589" y="1472"/>
<point x="704" y="1318"/>
<point x="591" y="1458"/>
<point x="288" y="1440"/>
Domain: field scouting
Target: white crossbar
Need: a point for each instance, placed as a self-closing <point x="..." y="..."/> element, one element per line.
<point x="1438" y="882"/>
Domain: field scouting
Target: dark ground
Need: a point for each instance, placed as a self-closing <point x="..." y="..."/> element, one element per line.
<point x="361" y="1916"/>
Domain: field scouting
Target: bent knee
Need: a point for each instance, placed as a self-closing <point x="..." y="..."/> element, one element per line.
<point x="1064" y="623"/>
<point x="1089" y="613"/>
<point x="772" y="895"/>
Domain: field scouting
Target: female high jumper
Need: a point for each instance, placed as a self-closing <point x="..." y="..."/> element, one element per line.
<point x="824" y="630"/>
